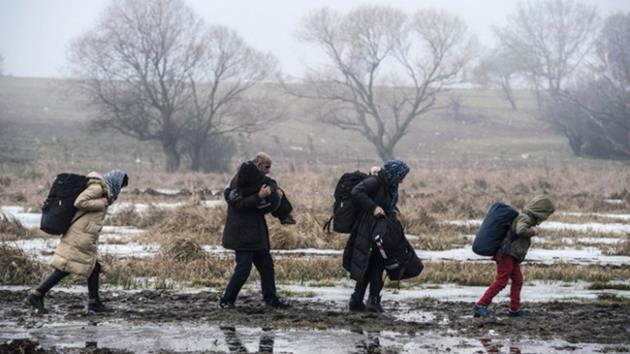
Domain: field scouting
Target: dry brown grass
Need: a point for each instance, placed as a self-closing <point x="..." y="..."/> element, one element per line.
<point x="203" y="225"/>
<point x="12" y="229"/>
<point x="204" y="269"/>
<point x="433" y="193"/>
<point x="181" y="250"/>
<point x="623" y="249"/>
<point x="16" y="267"/>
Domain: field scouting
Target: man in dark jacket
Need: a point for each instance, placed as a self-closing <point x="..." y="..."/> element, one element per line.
<point x="376" y="196"/>
<point x="247" y="234"/>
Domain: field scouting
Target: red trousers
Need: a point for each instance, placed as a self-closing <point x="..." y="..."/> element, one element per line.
<point x="507" y="268"/>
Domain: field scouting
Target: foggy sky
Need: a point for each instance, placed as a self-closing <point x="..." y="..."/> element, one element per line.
<point x="35" y="34"/>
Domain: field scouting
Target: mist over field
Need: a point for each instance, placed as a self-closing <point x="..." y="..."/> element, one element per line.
<point x="485" y="102"/>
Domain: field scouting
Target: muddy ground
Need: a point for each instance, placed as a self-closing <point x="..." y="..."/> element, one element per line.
<point x="605" y="323"/>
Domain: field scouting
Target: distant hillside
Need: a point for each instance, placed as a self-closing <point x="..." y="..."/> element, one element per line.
<point x="44" y="120"/>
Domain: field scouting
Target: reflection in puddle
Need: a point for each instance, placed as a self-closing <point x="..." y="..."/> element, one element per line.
<point x="201" y="337"/>
<point x="489" y="347"/>
<point x="369" y="345"/>
<point x="265" y="344"/>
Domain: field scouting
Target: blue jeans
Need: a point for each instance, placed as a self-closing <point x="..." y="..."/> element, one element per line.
<point x="264" y="264"/>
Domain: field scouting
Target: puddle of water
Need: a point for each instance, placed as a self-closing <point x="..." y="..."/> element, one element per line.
<point x="192" y="337"/>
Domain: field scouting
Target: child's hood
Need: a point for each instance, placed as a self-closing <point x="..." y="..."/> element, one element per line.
<point x="540" y="208"/>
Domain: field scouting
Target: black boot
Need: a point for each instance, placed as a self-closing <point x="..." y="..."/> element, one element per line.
<point x="277" y="303"/>
<point x="356" y="304"/>
<point x="96" y="306"/>
<point x="36" y="299"/>
<point x="374" y="304"/>
<point x="289" y="220"/>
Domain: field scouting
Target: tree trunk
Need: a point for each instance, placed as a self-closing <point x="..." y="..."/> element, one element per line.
<point x="172" y="156"/>
<point x="385" y="153"/>
<point x="195" y="158"/>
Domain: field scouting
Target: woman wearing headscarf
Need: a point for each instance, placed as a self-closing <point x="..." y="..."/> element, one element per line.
<point x="375" y="196"/>
<point x="77" y="250"/>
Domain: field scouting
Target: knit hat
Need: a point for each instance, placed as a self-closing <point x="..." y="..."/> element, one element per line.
<point x="395" y="170"/>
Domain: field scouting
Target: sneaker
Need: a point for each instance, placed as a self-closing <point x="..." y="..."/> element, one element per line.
<point x="356" y="305"/>
<point x="96" y="306"/>
<point x="277" y="303"/>
<point x="35" y="300"/>
<point x="374" y="304"/>
<point x="481" y="311"/>
<point x="226" y="305"/>
<point x="518" y="313"/>
<point x="289" y="220"/>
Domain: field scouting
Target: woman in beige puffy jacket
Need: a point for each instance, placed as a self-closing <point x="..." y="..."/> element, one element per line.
<point x="77" y="251"/>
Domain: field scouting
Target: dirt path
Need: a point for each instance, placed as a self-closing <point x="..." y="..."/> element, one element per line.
<point x="573" y="322"/>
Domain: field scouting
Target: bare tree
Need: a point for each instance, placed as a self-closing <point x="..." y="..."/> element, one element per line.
<point x="224" y="98"/>
<point x="595" y="114"/>
<point x="499" y="70"/>
<point x="552" y="37"/>
<point x="384" y="68"/>
<point x="135" y="66"/>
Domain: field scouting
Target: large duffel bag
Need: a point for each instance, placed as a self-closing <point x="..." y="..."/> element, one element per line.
<point x="494" y="228"/>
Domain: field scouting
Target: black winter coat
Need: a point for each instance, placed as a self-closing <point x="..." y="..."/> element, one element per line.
<point x="245" y="224"/>
<point x="367" y="195"/>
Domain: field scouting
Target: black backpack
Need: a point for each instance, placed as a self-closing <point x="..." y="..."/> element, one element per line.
<point x="401" y="260"/>
<point x="494" y="228"/>
<point x="58" y="208"/>
<point x="344" y="210"/>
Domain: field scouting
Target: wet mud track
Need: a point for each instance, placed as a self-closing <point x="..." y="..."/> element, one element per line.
<point x="570" y="321"/>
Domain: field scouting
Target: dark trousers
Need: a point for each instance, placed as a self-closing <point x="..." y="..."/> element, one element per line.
<point x="373" y="276"/>
<point x="264" y="264"/>
<point x="55" y="277"/>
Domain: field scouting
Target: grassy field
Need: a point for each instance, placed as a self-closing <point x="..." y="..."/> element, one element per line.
<point x="458" y="168"/>
<point x="46" y="121"/>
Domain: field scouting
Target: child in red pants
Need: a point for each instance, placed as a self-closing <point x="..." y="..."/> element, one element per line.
<point x="512" y="253"/>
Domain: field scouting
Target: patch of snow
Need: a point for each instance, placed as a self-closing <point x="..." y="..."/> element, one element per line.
<point x="614" y="201"/>
<point x="168" y="191"/>
<point x="554" y="225"/>
<point x="535" y="292"/>
<point x="27" y="218"/>
<point x="592" y="227"/>
<point x="597" y="240"/>
<point x="297" y="251"/>
<point x="601" y="215"/>
<point x="212" y="203"/>
<point x="121" y="230"/>
<point x="42" y="249"/>
<point x="142" y="208"/>
<point x="588" y="255"/>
